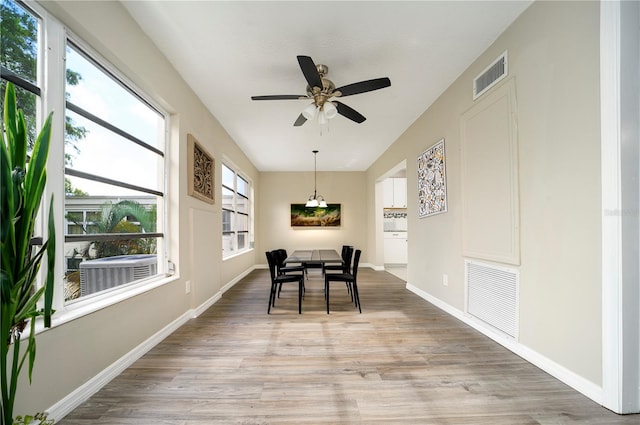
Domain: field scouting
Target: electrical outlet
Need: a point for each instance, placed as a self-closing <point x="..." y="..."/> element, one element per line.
<point x="187" y="287"/>
<point x="445" y="280"/>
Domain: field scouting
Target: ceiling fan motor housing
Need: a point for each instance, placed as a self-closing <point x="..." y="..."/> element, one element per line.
<point x="320" y="95"/>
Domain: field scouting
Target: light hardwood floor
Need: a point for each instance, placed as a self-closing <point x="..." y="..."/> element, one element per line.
<point x="402" y="361"/>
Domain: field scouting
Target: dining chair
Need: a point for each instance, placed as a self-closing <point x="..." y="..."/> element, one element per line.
<point x="345" y="266"/>
<point x="282" y="268"/>
<point x="349" y="278"/>
<point x="277" y="281"/>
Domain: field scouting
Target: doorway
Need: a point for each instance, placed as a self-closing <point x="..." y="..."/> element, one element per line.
<point x="392" y="208"/>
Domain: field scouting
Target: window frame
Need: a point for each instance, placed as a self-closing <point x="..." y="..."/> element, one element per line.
<point x="51" y="83"/>
<point x="164" y="268"/>
<point x="248" y="197"/>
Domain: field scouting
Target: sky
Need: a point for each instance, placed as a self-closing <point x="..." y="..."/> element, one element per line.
<point x="103" y="152"/>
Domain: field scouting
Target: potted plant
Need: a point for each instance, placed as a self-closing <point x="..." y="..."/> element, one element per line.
<point x="22" y="183"/>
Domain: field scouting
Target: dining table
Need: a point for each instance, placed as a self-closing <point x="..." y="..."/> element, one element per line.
<point x="313" y="258"/>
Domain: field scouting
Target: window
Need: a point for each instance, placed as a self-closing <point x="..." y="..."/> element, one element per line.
<point x="113" y="164"/>
<point x="114" y="177"/>
<point x="235" y="212"/>
<point x="20" y="29"/>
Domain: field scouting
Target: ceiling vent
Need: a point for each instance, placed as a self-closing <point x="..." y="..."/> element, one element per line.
<point x="490" y="76"/>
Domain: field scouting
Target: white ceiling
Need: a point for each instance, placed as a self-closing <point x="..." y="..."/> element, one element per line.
<point x="230" y="51"/>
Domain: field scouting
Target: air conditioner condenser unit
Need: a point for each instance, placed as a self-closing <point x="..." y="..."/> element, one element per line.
<point x="109" y="272"/>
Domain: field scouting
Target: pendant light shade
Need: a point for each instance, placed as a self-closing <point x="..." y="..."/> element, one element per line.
<point x="315" y="200"/>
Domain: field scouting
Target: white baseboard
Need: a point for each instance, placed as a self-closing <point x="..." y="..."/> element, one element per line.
<point x="575" y="381"/>
<point x="82" y="393"/>
<point x="85" y="391"/>
<point x="205" y="305"/>
<point x="374" y="267"/>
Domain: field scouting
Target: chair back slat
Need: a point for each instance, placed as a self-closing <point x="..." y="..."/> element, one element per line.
<point x="356" y="261"/>
<point x="347" y="259"/>
<point x="272" y="261"/>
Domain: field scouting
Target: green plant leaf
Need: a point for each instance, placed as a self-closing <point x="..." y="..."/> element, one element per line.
<point x="10" y="119"/>
<point x="22" y="186"/>
<point x="51" y="264"/>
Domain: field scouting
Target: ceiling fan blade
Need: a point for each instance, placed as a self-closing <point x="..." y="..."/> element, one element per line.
<point x="347" y="111"/>
<point x="279" y="97"/>
<point x="364" y="86"/>
<point x="310" y="71"/>
<point x="301" y="120"/>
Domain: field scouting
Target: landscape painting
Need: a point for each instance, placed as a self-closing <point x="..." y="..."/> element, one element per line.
<point x="302" y="216"/>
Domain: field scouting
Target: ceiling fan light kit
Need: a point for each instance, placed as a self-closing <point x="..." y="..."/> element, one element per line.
<point x="310" y="111"/>
<point x="322" y="92"/>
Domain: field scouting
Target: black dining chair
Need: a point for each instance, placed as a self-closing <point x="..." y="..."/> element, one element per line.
<point x="345" y="266"/>
<point x="349" y="278"/>
<point x="281" y="255"/>
<point x="277" y="281"/>
<point x="282" y="268"/>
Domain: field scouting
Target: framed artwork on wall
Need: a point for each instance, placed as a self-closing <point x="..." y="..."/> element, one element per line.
<point x="432" y="181"/>
<point x="302" y="216"/>
<point x="201" y="168"/>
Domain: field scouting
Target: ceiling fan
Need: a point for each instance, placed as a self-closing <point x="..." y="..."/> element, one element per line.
<point x="322" y="92"/>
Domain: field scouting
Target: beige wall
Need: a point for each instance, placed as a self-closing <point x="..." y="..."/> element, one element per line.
<point x="553" y="59"/>
<point x="280" y="190"/>
<point x="72" y="353"/>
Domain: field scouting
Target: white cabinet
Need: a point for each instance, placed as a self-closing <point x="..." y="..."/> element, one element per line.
<point x="395" y="247"/>
<point x="400" y="192"/>
<point x="395" y="192"/>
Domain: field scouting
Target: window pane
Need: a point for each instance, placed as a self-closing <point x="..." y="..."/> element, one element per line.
<point x="243" y="185"/>
<point x="242" y="204"/>
<point x="75" y="216"/>
<point x="93" y="215"/>
<point x="226" y="221"/>
<point x="93" y="228"/>
<point x="242" y="243"/>
<point x="75" y="229"/>
<point x="105" y="98"/>
<point x="236" y="206"/>
<point x="77" y="186"/>
<point x="242" y="223"/>
<point x="109" y="261"/>
<point x="227" y="243"/>
<point x="26" y="101"/>
<point x="19" y="54"/>
<point x="19" y="44"/>
<point x="227" y="198"/>
<point x="110" y="215"/>
<point x="228" y="176"/>
<point x="104" y="153"/>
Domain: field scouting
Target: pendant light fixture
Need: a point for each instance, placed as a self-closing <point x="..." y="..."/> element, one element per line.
<point x="315" y="200"/>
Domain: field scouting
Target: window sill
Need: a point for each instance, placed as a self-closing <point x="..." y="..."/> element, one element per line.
<point x="237" y="254"/>
<point x="78" y="309"/>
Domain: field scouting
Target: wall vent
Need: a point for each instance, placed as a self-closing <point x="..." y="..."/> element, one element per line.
<point x="109" y="272"/>
<point x="492" y="295"/>
<point x="490" y="76"/>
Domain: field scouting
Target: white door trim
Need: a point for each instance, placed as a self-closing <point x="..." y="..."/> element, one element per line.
<point x="620" y="351"/>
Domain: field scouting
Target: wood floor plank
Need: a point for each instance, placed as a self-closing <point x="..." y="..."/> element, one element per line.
<point x="402" y="361"/>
